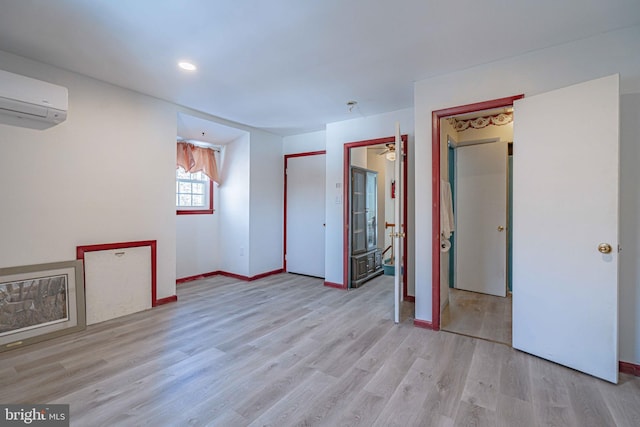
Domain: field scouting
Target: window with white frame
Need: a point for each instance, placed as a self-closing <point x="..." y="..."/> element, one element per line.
<point x="194" y="193"/>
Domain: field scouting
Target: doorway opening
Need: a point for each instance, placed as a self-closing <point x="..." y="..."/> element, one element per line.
<point x="440" y="287"/>
<point x="379" y="148"/>
<point x="475" y="233"/>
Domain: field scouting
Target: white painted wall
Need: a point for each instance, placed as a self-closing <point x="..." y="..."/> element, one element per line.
<point x="537" y="72"/>
<point x="304" y="143"/>
<point x="244" y="235"/>
<point x="337" y="134"/>
<point x="107" y="174"/>
<point x="104" y="175"/>
<point x="234" y="207"/>
<point x="630" y="228"/>
<point x="359" y="157"/>
<point x="251" y="205"/>
<point x="198" y="241"/>
<point x="266" y="203"/>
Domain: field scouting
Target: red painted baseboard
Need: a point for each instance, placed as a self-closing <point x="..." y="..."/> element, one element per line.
<point x="334" y="285"/>
<point x="196" y="277"/>
<point x="268" y="273"/>
<point x="233" y="275"/>
<point x="425" y="324"/>
<point x="629" y="368"/>
<point x="227" y="274"/>
<point x="167" y="300"/>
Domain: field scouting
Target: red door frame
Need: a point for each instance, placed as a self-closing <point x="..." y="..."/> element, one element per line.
<point x="347" y="217"/>
<point x="286" y="161"/>
<point x="435" y="190"/>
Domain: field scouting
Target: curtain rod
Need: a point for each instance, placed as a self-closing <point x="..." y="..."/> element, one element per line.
<point x="200" y="144"/>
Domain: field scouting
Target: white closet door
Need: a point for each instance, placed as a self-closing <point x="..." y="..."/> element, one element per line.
<point x="481" y="218"/>
<point x="305" y="215"/>
<point x="565" y="205"/>
<point x="117" y="282"/>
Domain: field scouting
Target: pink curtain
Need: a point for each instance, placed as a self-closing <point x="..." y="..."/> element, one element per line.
<point x="193" y="159"/>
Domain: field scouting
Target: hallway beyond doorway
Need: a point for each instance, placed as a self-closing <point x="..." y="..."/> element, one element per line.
<point x="478" y="315"/>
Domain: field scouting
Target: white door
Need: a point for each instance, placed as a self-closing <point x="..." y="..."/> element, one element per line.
<point x="565" y="172"/>
<point x="305" y="215"/>
<point x="481" y="218"/>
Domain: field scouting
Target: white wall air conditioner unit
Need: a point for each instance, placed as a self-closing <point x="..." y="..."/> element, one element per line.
<point x="31" y="103"/>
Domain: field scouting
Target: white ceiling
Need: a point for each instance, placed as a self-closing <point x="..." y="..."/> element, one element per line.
<point x="195" y="129"/>
<point x="290" y="66"/>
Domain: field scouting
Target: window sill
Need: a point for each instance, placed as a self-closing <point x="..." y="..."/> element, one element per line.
<point x="195" y="212"/>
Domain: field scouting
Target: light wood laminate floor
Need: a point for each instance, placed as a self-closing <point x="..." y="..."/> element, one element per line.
<point x="287" y="351"/>
<point x="478" y="315"/>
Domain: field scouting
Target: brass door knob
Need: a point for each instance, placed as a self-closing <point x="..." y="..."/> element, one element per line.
<point x="500" y="228"/>
<point x="604" y="248"/>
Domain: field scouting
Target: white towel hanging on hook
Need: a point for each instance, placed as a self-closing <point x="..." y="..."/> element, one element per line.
<point x="447" y="225"/>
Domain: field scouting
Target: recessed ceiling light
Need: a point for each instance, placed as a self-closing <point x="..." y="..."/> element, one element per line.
<point x="187" y="66"/>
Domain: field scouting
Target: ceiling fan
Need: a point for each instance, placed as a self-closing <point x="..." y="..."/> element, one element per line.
<point x="389" y="152"/>
<point x="391" y="147"/>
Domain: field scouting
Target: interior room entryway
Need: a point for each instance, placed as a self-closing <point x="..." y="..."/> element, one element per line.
<point x="476" y="149"/>
<point x="374" y="173"/>
<point x="565" y="223"/>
